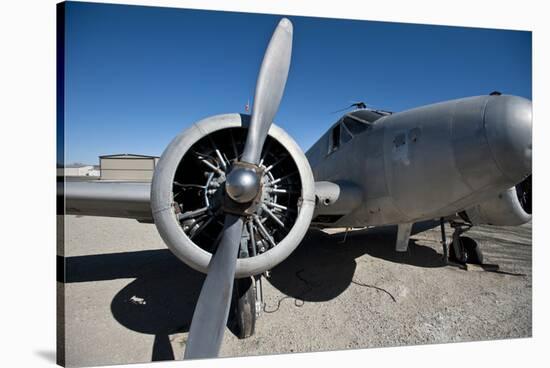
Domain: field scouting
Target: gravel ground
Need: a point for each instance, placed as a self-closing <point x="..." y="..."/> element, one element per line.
<point x="128" y="299"/>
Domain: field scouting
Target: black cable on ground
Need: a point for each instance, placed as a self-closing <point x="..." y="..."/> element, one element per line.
<point x="376" y="288"/>
<point x="296" y="300"/>
<point x="299" y="302"/>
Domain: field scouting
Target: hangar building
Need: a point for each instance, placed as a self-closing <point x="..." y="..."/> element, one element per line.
<point x="77" y="169"/>
<point x="128" y="167"/>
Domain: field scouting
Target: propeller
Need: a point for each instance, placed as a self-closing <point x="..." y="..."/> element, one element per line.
<point x="242" y="186"/>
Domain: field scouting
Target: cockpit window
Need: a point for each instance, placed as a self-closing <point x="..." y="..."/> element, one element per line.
<point x="354" y="126"/>
<point x="345" y="135"/>
<point x="334" y="142"/>
<point x="339" y="135"/>
<point x="351" y="125"/>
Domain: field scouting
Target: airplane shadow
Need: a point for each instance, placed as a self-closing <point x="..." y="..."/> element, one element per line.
<point x="322" y="267"/>
<point x="161" y="299"/>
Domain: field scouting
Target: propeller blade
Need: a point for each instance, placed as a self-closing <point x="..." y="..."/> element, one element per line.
<point x="269" y="89"/>
<point x="212" y="309"/>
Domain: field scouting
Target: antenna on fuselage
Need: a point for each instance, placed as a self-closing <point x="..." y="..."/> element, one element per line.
<point x="358" y="105"/>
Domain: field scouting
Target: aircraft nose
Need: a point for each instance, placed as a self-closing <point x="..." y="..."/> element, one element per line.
<point x="508" y="125"/>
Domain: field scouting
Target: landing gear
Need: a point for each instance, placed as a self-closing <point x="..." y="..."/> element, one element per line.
<point x="468" y="251"/>
<point x="246" y="306"/>
<point x="463" y="249"/>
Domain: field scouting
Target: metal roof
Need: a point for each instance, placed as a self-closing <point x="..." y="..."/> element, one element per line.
<point x="76" y="165"/>
<point x="128" y="155"/>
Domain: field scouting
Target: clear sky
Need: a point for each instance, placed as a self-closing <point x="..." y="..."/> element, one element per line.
<point x="136" y="76"/>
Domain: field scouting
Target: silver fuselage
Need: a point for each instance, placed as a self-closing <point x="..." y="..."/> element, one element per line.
<point x="431" y="161"/>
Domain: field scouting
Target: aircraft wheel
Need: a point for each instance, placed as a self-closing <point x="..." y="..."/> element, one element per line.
<point x="472" y="252"/>
<point x="244" y="299"/>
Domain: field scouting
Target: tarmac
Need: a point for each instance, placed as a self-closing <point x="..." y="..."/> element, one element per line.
<point x="127" y="299"/>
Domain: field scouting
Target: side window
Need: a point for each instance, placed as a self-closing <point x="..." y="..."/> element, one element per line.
<point x="334" y="141"/>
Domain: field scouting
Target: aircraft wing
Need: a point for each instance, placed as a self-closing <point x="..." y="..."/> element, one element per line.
<point x="106" y="198"/>
<point x="133" y="199"/>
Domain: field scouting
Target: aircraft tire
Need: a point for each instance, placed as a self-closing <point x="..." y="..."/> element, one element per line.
<point x="472" y="251"/>
<point x="244" y="307"/>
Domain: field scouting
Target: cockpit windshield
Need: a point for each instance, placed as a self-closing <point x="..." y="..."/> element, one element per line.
<point x="369" y="115"/>
<point x="352" y="124"/>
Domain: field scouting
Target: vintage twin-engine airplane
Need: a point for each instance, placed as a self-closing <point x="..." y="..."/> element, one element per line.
<point x="233" y="195"/>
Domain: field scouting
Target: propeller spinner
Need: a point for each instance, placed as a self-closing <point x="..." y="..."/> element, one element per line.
<point x="242" y="187"/>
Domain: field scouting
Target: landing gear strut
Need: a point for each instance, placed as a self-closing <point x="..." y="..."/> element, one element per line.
<point x="463" y="249"/>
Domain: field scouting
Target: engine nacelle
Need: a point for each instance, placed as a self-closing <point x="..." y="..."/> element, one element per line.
<point x="187" y="194"/>
<point x="511" y="208"/>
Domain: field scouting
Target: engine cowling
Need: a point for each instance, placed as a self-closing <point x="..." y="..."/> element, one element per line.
<point x="187" y="194"/>
<point x="511" y="208"/>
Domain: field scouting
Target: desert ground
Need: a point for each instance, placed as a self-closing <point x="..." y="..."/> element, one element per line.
<point x="127" y="299"/>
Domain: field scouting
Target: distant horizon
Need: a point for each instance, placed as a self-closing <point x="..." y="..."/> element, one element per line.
<point x="136" y="76"/>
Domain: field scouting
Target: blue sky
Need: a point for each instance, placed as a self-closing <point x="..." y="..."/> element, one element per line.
<point x="136" y="76"/>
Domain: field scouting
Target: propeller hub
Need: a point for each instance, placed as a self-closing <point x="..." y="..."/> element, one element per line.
<point x="242" y="185"/>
